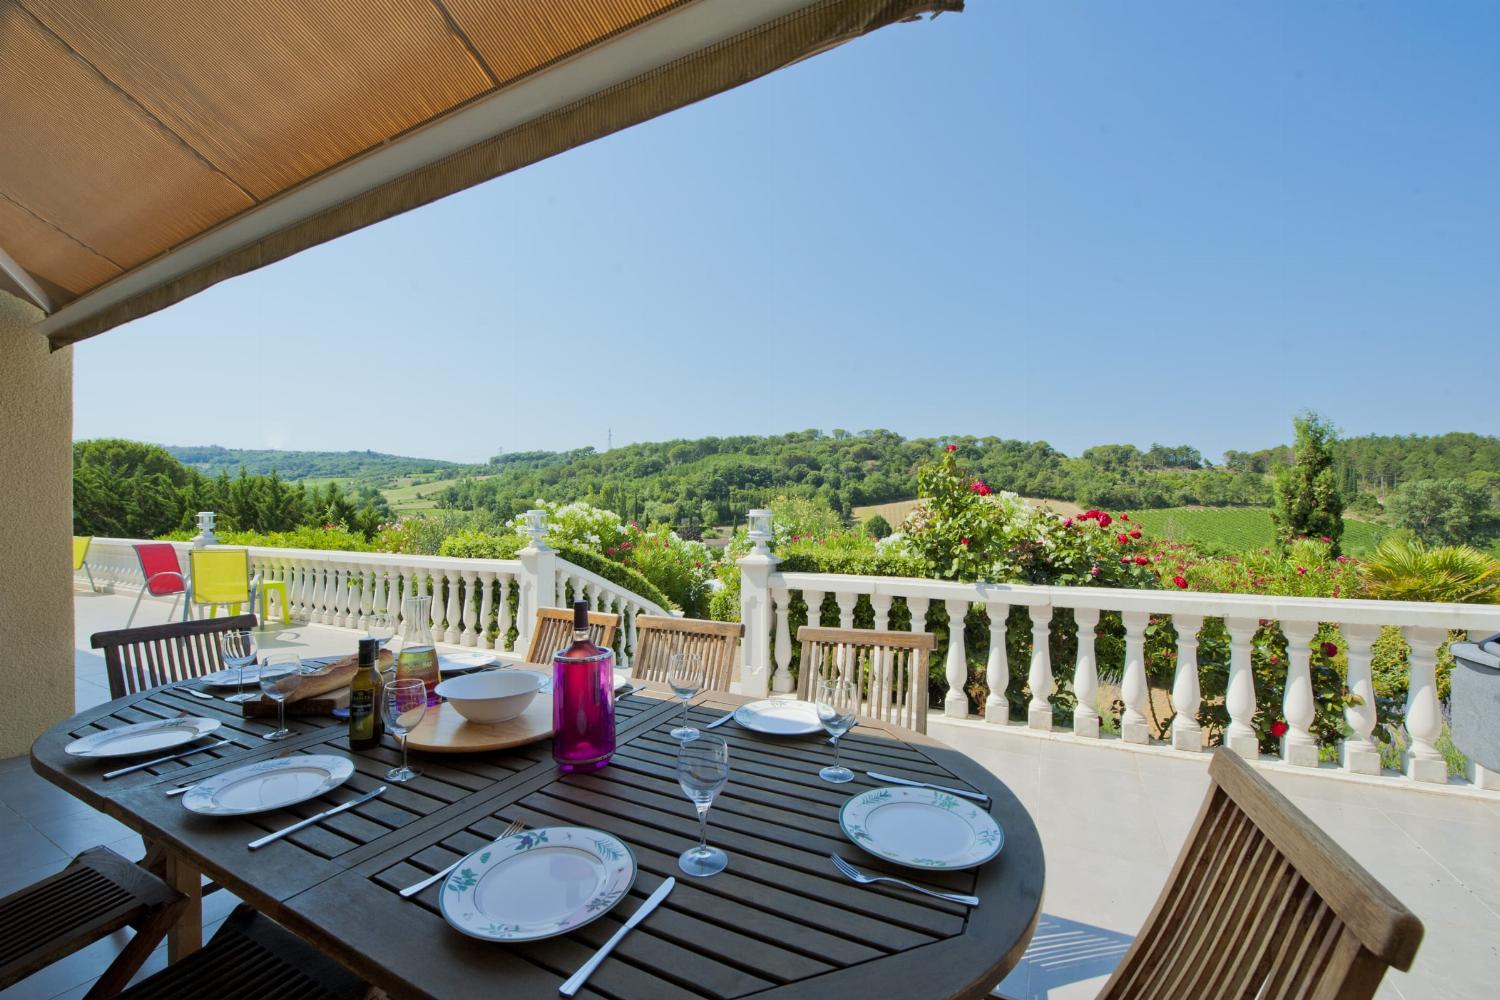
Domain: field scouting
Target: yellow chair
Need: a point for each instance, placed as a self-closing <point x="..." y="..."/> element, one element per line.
<point x="222" y="576"/>
<point x="80" y="558"/>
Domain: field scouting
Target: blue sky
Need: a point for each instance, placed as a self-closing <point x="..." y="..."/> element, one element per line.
<point x="1077" y="222"/>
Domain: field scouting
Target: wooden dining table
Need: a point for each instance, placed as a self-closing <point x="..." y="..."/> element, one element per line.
<point x="781" y="921"/>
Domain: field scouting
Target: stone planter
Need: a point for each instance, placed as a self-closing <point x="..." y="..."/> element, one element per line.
<point x="1476" y="704"/>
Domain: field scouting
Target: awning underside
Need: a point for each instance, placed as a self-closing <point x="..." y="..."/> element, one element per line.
<point x="150" y="149"/>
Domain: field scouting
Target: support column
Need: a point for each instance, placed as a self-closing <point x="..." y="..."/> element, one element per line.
<point x="1239" y="699"/>
<point x="1360" y="754"/>
<point x="1187" y="698"/>
<point x="1134" y="690"/>
<point x="1298" y="745"/>
<point x="1039" y="714"/>
<point x="1086" y="675"/>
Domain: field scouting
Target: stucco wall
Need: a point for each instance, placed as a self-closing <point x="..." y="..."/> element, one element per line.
<point x="36" y="530"/>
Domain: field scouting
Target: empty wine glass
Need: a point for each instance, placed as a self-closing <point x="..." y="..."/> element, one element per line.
<point x="838" y="709"/>
<point x="280" y="676"/>
<point x="381" y="626"/>
<point x="702" y="770"/>
<point x="237" y="647"/>
<point x="685" y="675"/>
<point x="404" y="702"/>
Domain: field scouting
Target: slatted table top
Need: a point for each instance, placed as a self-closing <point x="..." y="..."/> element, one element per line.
<point x="780" y="921"/>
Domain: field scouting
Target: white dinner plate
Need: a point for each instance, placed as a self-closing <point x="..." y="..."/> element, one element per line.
<point x="268" y="784"/>
<point x="229" y="677"/>
<point x="460" y="662"/>
<point x="141" y="738"/>
<point x="538" y="884"/>
<point x="780" y="717"/>
<point x="921" y="827"/>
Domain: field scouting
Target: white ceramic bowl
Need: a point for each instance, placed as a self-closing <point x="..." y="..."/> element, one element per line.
<point x="491" y="695"/>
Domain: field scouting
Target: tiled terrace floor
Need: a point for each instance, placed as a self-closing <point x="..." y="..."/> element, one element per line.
<point x="1112" y="821"/>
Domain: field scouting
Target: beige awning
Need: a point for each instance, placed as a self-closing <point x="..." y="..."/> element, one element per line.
<point x="151" y="149"/>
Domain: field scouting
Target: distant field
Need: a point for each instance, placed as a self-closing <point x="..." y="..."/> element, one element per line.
<point x="1240" y="528"/>
<point x="895" y="512"/>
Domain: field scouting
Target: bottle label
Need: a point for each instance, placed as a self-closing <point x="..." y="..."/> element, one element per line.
<point x="361" y="714"/>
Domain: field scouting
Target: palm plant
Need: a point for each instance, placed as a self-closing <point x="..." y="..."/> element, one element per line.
<point x="1403" y="569"/>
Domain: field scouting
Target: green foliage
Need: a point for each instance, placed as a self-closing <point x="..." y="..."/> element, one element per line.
<point x="363" y="465"/>
<point x="1403" y="569"/>
<point x="335" y="539"/>
<point x="877" y="527"/>
<point x="1443" y="511"/>
<point x="483" y="545"/>
<point x="1308" y="501"/>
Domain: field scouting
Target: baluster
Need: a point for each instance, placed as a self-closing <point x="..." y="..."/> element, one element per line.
<point x="502" y="612"/>
<point x="592" y="595"/>
<point x="881" y="605"/>
<point x="781" y="681"/>
<point x="347" y="602"/>
<point x="626" y="612"/>
<point x="486" y="606"/>
<point x="1239" y="698"/>
<point x="1039" y="714"/>
<point x="455" y="613"/>
<point x="1187" y="734"/>
<point x="471" y="608"/>
<point x="366" y="595"/>
<point x="319" y="612"/>
<point x="409" y="589"/>
<point x="435" y="613"/>
<point x="956" y="702"/>
<point x="295" y="595"/>
<point x="630" y="627"/>
<point x="1359" y="754"/>
<point x="1298" y="746"/>
<point x="1424" y="721"/>
<point x="814" y="601"/>
<point x="1086" y="675"/>
<point x="997" y="667"/>
<point x="846" y="602"/>
<point x="378" y="601"/>
<point x="1134" y="691"/>
<point x="561" y="600"/>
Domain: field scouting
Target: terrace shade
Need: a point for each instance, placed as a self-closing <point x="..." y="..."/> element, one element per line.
<point x="151" y="148"/>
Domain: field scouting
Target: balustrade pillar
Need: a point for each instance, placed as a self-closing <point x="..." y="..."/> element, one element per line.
<point x="409" y="589"/>
<point x="814" y="601"/>
<point x="1298" y="745"/>
<point x="997" y="667"/>
<point x="628" y="649"/>
<point x="471" y="608"/>
<point x="486" y="608"/>
<point x="1134" y="691"/>
<point x="1424" y="721"/>
<point x="1239" y="697"/>
<point x="880" y="604"/>
<point x="454" y="611"/>
<point x="378" y="600"/>
<point x="1360" y="754"/>
<point x="502" y="613"/>
<point x="1086" y="675"/>
<point x="1039" y="714"/>
<point x="319" y="611"/>
<point x="956" y="701"/>
<point x="755" y="607"/>
<point x="366" y="595"/>
<point x="435" y="609"/>
<point x="1187" y="734"/>
<point x="781" y="680"/>
<point x="846" y="601"/>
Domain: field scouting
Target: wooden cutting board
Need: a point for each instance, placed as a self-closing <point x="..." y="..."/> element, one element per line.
<point x="443" y="730"/>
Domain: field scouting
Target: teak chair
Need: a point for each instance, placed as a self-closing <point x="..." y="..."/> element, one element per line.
<point x="98" y="893"/>
<point x="1262" y="903"/>
<point x="554" y="631"/>
<point x="891" y="668"/>
<point x="148" y="657"/>
<point x="657" y="638"/>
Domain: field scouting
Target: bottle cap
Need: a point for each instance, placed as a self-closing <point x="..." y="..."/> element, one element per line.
<point x="580" y="616"/>
<point x="369" y="650"/>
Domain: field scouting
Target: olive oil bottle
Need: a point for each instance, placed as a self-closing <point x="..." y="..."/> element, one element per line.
<point x="364" y="698"/>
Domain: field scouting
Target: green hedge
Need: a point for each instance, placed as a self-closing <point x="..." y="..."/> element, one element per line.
<point x="482" y="545"/>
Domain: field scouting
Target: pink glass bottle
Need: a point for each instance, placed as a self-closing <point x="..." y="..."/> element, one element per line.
<point x="583" y="700"/>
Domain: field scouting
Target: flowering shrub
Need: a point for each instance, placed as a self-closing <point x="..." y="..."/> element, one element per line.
<point x="964" y="530"/>
<point x="1307" y="569"/>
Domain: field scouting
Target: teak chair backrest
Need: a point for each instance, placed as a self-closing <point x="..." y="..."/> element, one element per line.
<point x="657" y="638"/>
<point x="891" y="668"/>
<point x="148" y="657"/>
<point x="1263" y="903"/>
<point x="554" y="631"/>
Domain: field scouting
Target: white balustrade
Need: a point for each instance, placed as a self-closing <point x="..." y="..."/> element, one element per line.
<point x="1239" y="699"/>
<point x="1134" y="692"/>
<point x="781" y="681"/>
<point x="1187" y="697"/>
<point x="1298" y="745"/>
<point x="1424" y="725"/>
<point x="1039" y="713"/>
<point x="1085" y="674"/>
<point x="956" y="669"/>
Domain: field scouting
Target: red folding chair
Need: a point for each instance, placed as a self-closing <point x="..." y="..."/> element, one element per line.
<point x="163" y="575"/>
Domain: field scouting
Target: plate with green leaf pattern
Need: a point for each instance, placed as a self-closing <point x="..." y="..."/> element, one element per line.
<point x="921" y="828"/>
<point x="538" y="884"/>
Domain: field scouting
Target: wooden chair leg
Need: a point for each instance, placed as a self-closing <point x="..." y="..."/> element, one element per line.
<point x="128" y="962"/>
<point x="186" y="935"/>
<point x="155" y="860"/>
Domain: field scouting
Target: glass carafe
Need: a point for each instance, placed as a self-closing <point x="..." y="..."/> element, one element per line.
<point x="418" y="656"/>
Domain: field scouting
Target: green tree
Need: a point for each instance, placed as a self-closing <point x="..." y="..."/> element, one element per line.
<point x="1443" y="511"/>
<point x="877" y="526"/>
<point x="1403" y="569"/>
<point x="1308" y="501"/>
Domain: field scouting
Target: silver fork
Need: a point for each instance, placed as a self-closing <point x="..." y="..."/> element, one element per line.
<point x="855" y="875"/>
<point x="516" y="826"/>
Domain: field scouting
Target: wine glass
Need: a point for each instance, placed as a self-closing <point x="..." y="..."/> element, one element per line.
<point x="381" y="626"/>
<point x="237" y="647"/>
<point x="702" y="770"/>
<point x="280" y="677"/>
<point x="404" y="702"/>
<point x="685" y="675"/>
<point x="838" y="709"/>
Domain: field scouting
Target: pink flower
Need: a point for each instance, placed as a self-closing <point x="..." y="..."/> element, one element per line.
<point x="1094" y="571"/>
<point x="1273" y="659"/>
<point x="952" y="447"/>
<point x="1342" y="560"/>
<point x="1278" y="728"/>
<point x="1122" y="538"/>
<point x="1125" y="561"/>
<point x="1135" y="532"/>
<point x="964" y="542"/>
<point x="1067" y="522"/>
<point x="1104" y="520"/>
<point x="1330" y="650"/>
<point x="1301" y="570"/>
<point x="1141" y="560"/>
<point x="1180" y="580"/>
<point x="1326" y="540"/>
<point x="979" y="487"/>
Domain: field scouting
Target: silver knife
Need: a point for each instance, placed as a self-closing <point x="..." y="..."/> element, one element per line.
<point x="277" y="835"/>
<point x="162" y="760"/>
<point x="924" y="784"/>
<point x="720" y="720"/>
<point x="574" y="984"/>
